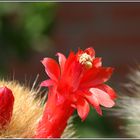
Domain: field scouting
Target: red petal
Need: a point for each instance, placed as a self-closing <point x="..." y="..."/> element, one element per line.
<point x="90" y="51"/>
<point x="47" y="83"/>
<point x="70" y="60"/>
<point x="103" y="98"/>
<point x="103" y="75"/>
<point x="72" y="73"/>
<point x="51" y="68"/>
<point x="76" y="75"/>
<point x="97" y="62"/>
<point x="96" y="76"/>
<point x="98" y="109"/>
<point x="94" y="102"/>
<point x="62" y="60"/>
<point x="108" y="90"/>
<point x="82" y="108"/>
<point x="68" y="64"/>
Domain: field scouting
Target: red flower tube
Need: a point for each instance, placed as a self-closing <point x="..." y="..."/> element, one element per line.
<point x="74" y="83"/>
<point x="6" y="106"/>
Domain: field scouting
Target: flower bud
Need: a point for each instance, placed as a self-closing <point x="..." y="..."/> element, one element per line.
<point x="6" y="106"/>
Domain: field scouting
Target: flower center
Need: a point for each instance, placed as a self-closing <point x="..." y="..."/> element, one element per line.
<point x="86" y="60"/>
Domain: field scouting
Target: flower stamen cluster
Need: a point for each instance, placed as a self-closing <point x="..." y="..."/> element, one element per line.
<point x="86" y="60"/>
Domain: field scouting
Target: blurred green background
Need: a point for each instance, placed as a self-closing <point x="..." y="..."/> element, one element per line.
<point x="22" y="25"/>
<point x="31" y="31"/>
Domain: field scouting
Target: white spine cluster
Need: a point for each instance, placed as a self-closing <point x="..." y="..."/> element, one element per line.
<point x="128" y="105"/>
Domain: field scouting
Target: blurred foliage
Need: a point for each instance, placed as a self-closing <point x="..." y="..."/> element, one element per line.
<point x="96" y="126"/>
<point x="21" y="25"/>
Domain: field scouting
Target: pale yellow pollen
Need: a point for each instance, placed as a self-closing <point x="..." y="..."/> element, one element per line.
<point x="86" y="60"/>
<point x="88" y="65"/>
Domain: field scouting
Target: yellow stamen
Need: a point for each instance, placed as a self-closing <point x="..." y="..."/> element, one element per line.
<point x="88" y="65"/>
<point x="86" y="60"/>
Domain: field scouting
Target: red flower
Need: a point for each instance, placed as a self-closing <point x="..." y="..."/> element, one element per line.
<point x="74" y="83"/>
<point x="6" y="106"/>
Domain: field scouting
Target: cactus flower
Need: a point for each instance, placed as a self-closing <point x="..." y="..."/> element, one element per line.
<point x="74" y="83"/>
<point x="6" y="106"/>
